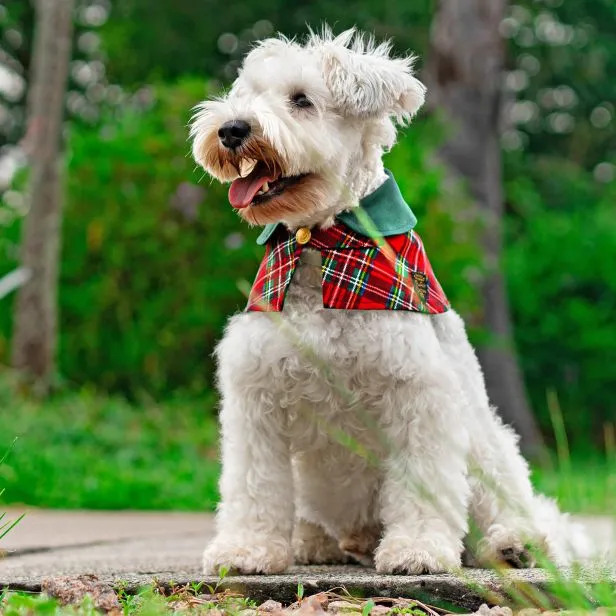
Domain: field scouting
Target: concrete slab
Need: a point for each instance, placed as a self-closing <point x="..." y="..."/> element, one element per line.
<point x="47" y="529"/>
<point x="136" y="548"/>
<point x="115" y="559"/>
<point x="466" y="591"/>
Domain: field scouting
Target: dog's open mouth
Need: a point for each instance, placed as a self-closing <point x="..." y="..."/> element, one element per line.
<point x="257" y="184"/>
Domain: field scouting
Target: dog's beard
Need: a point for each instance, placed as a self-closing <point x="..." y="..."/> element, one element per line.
<point x="300" y="198"/>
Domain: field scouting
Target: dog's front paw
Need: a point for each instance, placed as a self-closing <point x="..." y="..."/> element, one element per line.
<point x="253" y="554"/>
<point x="507" y="546"/>
<point x="407" y="557"/>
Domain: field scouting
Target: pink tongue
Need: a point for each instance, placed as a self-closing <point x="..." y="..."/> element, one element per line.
<point x="243" y="190"/>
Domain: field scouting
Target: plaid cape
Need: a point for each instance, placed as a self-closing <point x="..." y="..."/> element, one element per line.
<point x="357" y="273"/>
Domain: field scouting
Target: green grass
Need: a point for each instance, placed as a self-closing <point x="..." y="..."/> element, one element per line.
<point x="81" y="450"/>
<point x="7" y="525"/>
<point x="21" y="604"/>
<point x="152" y="600"/>
<point x="586" y="485"/>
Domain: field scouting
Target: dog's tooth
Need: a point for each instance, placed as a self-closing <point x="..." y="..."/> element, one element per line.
<point x="265" y="187"/>
<point x="246" y="166"/>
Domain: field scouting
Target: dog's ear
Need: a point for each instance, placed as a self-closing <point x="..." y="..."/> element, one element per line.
<point x="366" y="81"/>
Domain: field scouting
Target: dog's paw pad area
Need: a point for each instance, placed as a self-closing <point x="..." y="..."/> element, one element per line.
<point x="518" y="558"/>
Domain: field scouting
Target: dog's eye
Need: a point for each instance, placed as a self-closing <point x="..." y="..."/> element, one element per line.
<point x="299" y="99"/>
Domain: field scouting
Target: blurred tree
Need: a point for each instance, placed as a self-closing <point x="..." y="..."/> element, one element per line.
<point x="16" y="26"/>
<point x="87" y="80"/>
<point x="464" y="77"/>
<point x="561" y="62"/>
<point x="34" y="338"/>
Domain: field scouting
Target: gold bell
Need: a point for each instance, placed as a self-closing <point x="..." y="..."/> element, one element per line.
<point x="303" y="235"/>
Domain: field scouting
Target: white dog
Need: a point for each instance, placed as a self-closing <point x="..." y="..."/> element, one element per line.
<point x="354" y="416"/>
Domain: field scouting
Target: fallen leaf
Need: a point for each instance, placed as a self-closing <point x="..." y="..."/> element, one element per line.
<point x="310" y="607"/>
<point x="336" y="607"/>
<point x="270" y="606"/>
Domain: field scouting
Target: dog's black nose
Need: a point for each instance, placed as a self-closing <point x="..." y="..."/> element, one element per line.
<point x="232" y="134"/>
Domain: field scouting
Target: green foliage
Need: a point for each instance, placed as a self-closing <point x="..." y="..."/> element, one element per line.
<point x="152" y="256"/>
<point x="567" y="54"/>
<point x="151" y="259"/>
<point x="412" y="610"/>
<point x="150" y="264"/>
<point x="21" y="604"/>
<point x="192" y="29"/>
<point x="102" y="452"/>
<point x="147" y="274"/>
<point x="587" y="485"/>
<point x="560" y="268"/>
<point x="146" y="601"/>
<point x="367" y="608"/>
<point x="447" y="223"/>
<point x="80" y="450"/>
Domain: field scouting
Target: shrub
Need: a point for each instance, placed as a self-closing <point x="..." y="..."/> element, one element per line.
<point x="560" y="261"/>
<point x="152" y="254"/>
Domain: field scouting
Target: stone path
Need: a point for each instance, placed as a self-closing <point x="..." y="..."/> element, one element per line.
<point x="136" y="548"/>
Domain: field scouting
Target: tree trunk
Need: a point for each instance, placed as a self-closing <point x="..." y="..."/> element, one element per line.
<point x="464" y="77"/>
<point x="34" y="337"/>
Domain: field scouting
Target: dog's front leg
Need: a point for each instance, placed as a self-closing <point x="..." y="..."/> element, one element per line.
<point x="255" y="517"/>
<point x="425" y="494"/>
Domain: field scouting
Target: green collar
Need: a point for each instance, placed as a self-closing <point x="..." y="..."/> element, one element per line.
<point x="386" y="208"/>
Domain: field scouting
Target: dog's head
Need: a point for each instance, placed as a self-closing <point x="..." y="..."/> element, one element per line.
<point x="301" y="134"/>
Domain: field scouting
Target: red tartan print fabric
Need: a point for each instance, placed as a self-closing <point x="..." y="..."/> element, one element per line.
<point x="357" y="273"/>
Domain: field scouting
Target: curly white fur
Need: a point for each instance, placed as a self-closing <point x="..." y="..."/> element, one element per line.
<point x="370" y="432"/>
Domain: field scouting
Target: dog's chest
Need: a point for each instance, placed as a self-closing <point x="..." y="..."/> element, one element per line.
<point x="335" y="363"/>
<point x="305" y="292"/>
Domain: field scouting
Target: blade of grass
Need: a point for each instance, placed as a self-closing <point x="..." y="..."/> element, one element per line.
<point x="7" y="452"/>
<point x="9" y="526"/>
<point x="562" y="442"/>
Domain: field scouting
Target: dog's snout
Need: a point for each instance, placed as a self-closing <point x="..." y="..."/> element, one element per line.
<point x="232" y="134"/>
